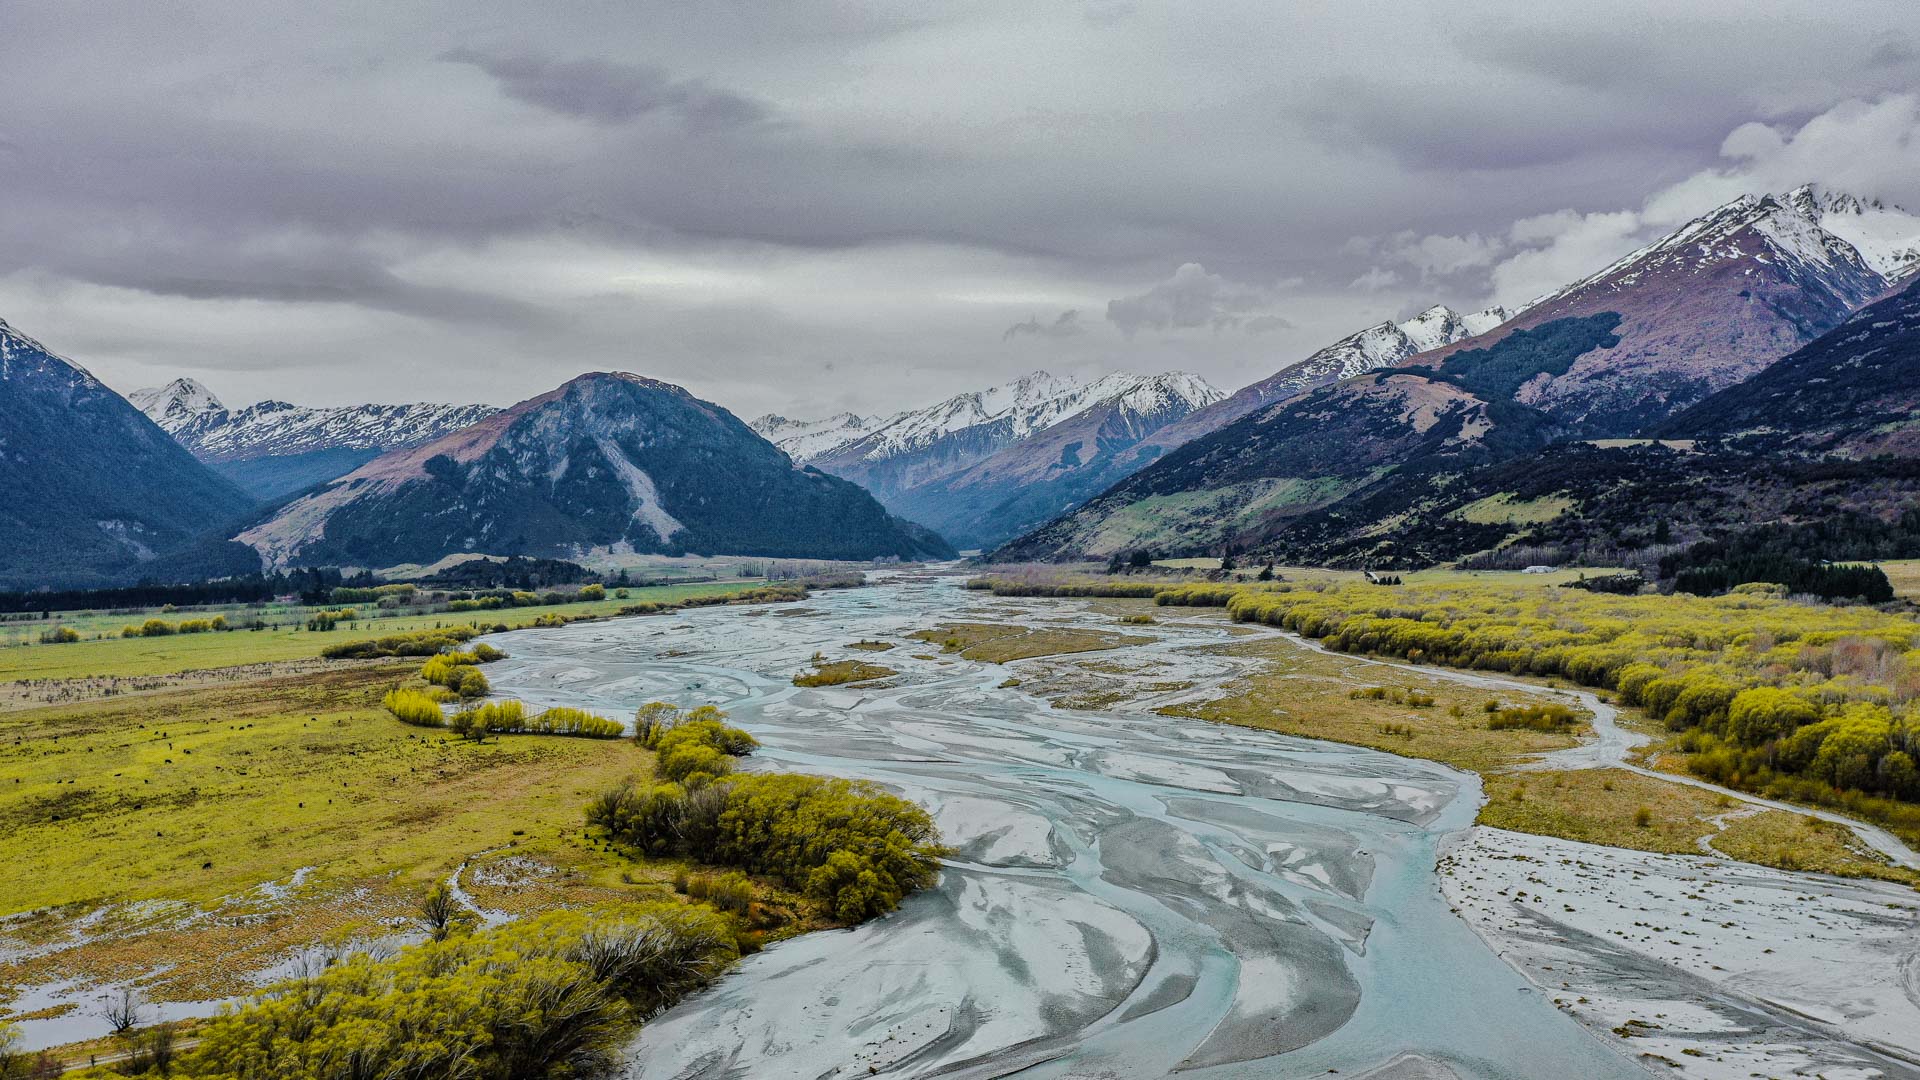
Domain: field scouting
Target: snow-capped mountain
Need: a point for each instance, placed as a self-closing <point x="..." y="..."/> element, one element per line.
<point x="1711" y="304"/>
<point x="896" y="456"/>
<point x="1383" y="345"/>
<point x="274" y="448"/>
<point x="1016" y="410"/>
<point x="193" y="415"/>
<point x="804" y="440"/>
<point x="1388" y="344"/>
<point x="891" y="455"/>
<point x="177" y="404"/>
<point x="1706" y="306"/>
<point x="1030" y="480"/>
<point x="1887" y="237"/>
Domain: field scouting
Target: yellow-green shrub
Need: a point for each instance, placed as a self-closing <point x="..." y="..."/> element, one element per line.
<point x="414" y="707"/>
<point x="553" y="996"/>
<point x="851" y="846"/>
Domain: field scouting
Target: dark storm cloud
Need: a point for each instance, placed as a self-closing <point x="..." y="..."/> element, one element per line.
<point x="612" y="93"/>
<point x="719" y="194"/>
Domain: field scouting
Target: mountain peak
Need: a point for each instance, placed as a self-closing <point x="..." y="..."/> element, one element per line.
<point x="174" y="404"/>
<point x="1886" y="236"/>
<point x="609" y="461"/>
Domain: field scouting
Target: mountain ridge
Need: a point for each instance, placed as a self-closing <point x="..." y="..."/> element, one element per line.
<point x="93" y="492"/>
<point x="274" y="448"/>
<point x="607" y="461"/>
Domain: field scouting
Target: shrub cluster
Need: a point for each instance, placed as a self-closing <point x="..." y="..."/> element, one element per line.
<point x="59" y="635"/>
<point x="163" y="628"/>
<point x="456" y="672"/>
<point x="1415" y="699"/>
<point x="509" y="718"/>
<point x="1545" y="717"/>
<point x="1618" y="584"/>
<point x="1049" y="585"/>
<point x="848" y="845"/>
<point x="322" y="621"/>
<point x="346" y="595"/>
<point x="1852" y="675"/>
<point x="416" y="643"/>
<point x="550" y="997"/>
<point x="693" y="748"/>
<point x="414" y="707"/>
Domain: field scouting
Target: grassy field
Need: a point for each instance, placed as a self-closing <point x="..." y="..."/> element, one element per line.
<point x="1904" y="576"/>
<point x="998" y="643"/>
<point x="1602" y="806"/>
<point x="1798" y="842"/>
<point x="117" y="657"/>
<point x="1310" y="694"/>
<point x="1503" y="509"/>
<point x="1298" y="692"/>
<point x="190" y="801"/>
<point x="189" y="830"/>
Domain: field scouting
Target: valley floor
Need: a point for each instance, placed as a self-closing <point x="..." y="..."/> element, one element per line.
<point x="1095" y="918"/>
<point x="1152" y="872"/>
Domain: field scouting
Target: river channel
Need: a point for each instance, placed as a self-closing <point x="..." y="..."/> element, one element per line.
<point x="1131" y="895"/>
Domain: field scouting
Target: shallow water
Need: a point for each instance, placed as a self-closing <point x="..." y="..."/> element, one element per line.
<point x="1132" y="895"/>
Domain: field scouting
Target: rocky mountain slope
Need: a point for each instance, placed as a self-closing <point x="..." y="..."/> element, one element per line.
<point x="1239" y="486"/>
<point x="607" y="461"/>
<point x="1701" y="309"/>
<point x="1380" y="346"/>
<point x="1029" y="481"/>
<point x="1704" y="308"/>
<point x="1854" y="392"/>
<point x="91" y="491"/>
<point x="273" y="448"/>
<point x="1384" y="345"/>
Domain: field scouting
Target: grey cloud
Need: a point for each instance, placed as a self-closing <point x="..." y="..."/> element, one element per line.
<point x="1894" y="49"/>
<point x="316" y="191"/>
<point x="1065" y="324"/>
<point x="612" y="93"/>
<point x="1191" y="298"/>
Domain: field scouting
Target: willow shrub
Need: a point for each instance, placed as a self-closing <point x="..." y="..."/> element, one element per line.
<point x="414" y="643"/>
<point x="852" y="847"/>
<point x="550" y="997"/>
<point x="579" y="722"/>
<point x="414" y="707"/>
<point x="1781" y="691"/>
<point x="704" y="747"/>
<point x="511" y="718"/>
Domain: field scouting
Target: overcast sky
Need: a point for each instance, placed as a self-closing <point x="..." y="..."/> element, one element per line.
<point x="816" y="205"/>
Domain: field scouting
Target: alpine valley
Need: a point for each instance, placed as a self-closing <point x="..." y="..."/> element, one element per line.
<point x="982" y="467"/>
